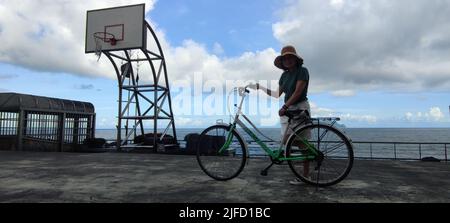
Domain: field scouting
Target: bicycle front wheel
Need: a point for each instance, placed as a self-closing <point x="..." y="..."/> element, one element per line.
<point x="217" y="158"/>
<point x="333" y="162"/>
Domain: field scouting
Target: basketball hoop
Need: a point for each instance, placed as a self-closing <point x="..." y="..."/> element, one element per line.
<point x="100" y="38"/>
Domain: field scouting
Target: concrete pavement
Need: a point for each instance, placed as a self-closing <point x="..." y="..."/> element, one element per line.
<point x="149" y="178"/>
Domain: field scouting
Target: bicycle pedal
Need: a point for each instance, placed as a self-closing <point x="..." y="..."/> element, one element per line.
<point x="264" y="173"/>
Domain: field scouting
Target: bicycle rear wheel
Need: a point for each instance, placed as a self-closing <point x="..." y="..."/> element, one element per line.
<point x="335" y="158"/>
<point x="221" y="165"/>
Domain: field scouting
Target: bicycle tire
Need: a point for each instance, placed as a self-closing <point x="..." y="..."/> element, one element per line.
<point x="319" y="137"/>
<point x="227" y="165"/>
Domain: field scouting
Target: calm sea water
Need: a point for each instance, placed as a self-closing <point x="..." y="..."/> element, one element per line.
<point x="356" y="134"/>
<point x="378" y="150"/>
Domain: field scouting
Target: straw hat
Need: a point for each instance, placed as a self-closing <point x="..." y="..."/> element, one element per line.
<point x="285" y="51"/>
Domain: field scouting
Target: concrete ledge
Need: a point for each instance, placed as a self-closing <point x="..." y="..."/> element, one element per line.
<point x="151" y="178"/>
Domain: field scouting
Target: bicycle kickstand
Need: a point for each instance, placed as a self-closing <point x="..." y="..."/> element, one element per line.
<point x="266" y="170"/>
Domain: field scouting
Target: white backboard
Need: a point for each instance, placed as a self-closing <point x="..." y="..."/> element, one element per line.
<point x="126" y="23"/>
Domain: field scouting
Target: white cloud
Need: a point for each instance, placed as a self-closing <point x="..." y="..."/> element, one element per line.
<point x="364" y="45"/>
<point x="285" y="29"/>
<point x="218" y="49"/>
<point x="337" y="4"/>
<point x="49" y="36"/>
<point x="191" y="57"/>
<point x="409" y="116"/>
<point x="370" y="44"/>
<point x="181" y="121"/>
<point x="343" y="93"/>
<point x="320" y="111"/>
<point x="51" y="39"/>
<point x="434" y="114"/>
<point x="347" y="117"/>
<point x="359" y="118"/>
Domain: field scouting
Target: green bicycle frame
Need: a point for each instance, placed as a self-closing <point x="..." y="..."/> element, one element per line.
<point x="275" y="154"/>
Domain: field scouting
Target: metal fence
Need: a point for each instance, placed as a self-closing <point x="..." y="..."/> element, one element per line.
<point x="8" y="123"/>
<point x="379" y="150"/>
<point x="374" y="150"/>
<point x="77" y="128"/>
<point x="401" y="150"/>
<point x="41" y="125"/>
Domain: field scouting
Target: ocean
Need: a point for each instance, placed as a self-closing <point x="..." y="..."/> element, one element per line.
<point x="383" y="138"/>
<point x="356" y="134"/>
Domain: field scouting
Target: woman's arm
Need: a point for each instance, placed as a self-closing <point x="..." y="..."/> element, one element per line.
<point x="275" y="94"/>
<point x="299" y="87"/>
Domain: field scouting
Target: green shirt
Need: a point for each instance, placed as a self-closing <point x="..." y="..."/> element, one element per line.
<point x="288" y="81"/>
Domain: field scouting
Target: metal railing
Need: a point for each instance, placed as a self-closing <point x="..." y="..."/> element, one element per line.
<point x="401" y="150"/>
<point x="380" y="150"/>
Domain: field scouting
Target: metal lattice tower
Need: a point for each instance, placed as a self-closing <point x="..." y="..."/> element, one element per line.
<point x="145" y="116"/>
<point x="143" y="108"/>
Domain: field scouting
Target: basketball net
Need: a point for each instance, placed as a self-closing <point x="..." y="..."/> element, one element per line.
<point x="105" y="37"/>
<point x="98" y="47"/>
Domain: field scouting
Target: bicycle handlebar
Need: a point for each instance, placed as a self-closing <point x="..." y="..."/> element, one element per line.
<point x="243" y="90"/>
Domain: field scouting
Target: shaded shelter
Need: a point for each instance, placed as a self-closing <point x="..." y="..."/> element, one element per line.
<point x="35" y="123"/>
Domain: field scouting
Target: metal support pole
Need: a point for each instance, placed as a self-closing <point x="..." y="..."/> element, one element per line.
<point x="119" y="120"/>
<point x="20" y="129"/>
<point x="445" y="146"/>
<point x="61" y="123"/>
<point x="155" y="124"/>
<point x="93" y="119"/>
<point x="395" y="152"/>
<point x="420" y="151"/>
<point x="76" y="130"/>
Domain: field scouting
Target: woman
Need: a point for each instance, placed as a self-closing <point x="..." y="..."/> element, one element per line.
<point x="293" y="83"/>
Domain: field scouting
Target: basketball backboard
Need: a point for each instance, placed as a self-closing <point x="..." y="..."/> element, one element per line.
<point x="119" y="28"/>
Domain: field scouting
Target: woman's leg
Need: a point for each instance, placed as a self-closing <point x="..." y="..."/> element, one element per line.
<point x="303" y="106"/>
<point x="304" y="150"/>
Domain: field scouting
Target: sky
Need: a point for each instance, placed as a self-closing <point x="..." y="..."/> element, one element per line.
<point x="374" y="63"/>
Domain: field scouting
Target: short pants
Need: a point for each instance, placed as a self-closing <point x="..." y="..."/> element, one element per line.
<point x="304" y="105"/>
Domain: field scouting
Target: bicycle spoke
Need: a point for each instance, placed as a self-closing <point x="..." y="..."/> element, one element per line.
<point x="323" y="134"/>
<point x="333" y="148"/>
<point x="223" y="165"/>
<point x="326" y="141"/>
<point x="329" y="162"/>
<point x="336" y="155"/>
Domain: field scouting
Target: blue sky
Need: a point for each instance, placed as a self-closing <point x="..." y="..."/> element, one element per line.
<point x="367" y="77"/>
<point x="238" y="26"/>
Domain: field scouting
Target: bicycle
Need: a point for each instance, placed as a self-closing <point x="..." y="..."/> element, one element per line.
<point x="317" y="153"/>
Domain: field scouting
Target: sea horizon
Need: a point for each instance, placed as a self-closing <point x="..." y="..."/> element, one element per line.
<point x="279" y="127"/>
<point x="385" y="134"/>
<point x="435" y="141"/>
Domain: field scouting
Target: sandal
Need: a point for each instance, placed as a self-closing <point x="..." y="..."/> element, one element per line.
<point x="296" y="181"/>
